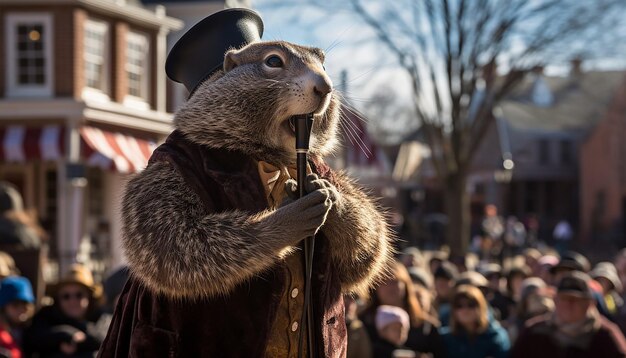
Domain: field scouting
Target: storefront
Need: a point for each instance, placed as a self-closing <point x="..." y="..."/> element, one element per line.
<point x="76" y="196"/>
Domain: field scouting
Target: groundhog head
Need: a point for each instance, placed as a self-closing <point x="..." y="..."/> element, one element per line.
<point x="250" y="104"/>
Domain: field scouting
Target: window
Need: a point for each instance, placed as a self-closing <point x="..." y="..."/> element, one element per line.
<point x="137" y="66"/>
<point x="95" y="55"/>
<point x="566" y="151"/>
<point x="544" y="151"/>
<point x="29" y="54"/>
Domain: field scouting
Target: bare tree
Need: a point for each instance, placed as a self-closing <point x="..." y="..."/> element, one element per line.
<point x="464" y="56"/>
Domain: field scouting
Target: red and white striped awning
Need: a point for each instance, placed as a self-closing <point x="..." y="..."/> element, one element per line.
<point x="113" y="150"/>
<point x="20" y="143"/>
<point x="100" y="148"/>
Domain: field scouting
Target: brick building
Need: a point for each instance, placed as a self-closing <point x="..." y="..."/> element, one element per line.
<point x="563" y="136"/>
<point x="82" y="106"/>
<point x="603" y="175"/>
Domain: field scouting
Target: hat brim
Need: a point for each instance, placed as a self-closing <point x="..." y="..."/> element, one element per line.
<point x="617" y="285"/>
<point x="200" y="51"/>
<point x="576" y="293"/>
<point x="564" y="266"/>
<point x="95" y="291"/>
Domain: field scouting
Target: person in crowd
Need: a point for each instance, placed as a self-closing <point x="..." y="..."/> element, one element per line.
<point x="493" y="273"/>
<point x="504" y="303"/>
<point x="471" y="333"/>
<point x="412" y="257"/>
<point x="465" y="263"/>
<point x="16" y="310"/>
<point x="493" y="224"/>
<point x="445" y="277"/>
<point x="514" y="278"/>
<point x="570" y="261"/>
<point x="605" y="274"/>
<point x="545" y="267"/>
<point x="423" y="289"/>
<point x="17" y="228"/>
<point x="471" y="278"/>
<point x="397" y="290"/>
<point x="575" y="329"/>
<point x="620" y="265"/>
<point x="514" y="236"/>
<point x="537" y="299"/>
<point x="531" y="259"/>
<point x="7" y="266"/>
<point x="436" y="259"/>
<point x="562" y="235"/>
<point x="73" y="326"/>
<point x="392" y="326"/>
<point x="532" y="230"/>
<point x="359" y="344"/>
<point x="475" y="279"/>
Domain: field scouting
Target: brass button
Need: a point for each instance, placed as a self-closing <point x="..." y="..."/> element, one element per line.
<point x="294" y="293"/>
<point x="294" y="326"/>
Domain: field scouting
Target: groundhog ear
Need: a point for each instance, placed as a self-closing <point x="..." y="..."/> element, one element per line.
<point x="231" y="60"/>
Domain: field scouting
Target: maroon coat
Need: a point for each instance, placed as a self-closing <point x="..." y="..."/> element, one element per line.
<point x="147" y="325"/>
<point x="536" y="341"/>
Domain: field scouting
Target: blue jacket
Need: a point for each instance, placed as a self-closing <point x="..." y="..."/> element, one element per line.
<point x="494" y="342"/>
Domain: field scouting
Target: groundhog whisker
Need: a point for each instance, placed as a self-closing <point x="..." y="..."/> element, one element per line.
<point x="352" y="124"/>
<point x="352" y="129"/>
<point x="350" y="134"/>
<point x="346" y="132"/>
<point x="358" y="113"/>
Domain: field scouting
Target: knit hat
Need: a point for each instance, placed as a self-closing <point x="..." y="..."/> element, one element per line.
<point x="15" y="288"/>
<point x="386" y="315"/>
<point x="10" y="198"/>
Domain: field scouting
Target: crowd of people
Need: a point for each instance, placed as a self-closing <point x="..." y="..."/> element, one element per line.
<point x="541" y="304"/>
<point x="503" y="299"/>
<point x="73" y="324"/>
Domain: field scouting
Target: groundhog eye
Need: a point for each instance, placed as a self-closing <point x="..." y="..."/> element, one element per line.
<point x="274" y="61"/>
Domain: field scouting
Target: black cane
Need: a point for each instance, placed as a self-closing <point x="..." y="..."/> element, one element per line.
<point x="303" y="132"/>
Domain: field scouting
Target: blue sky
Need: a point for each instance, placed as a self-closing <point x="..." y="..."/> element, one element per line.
<point x="344" y="40"/>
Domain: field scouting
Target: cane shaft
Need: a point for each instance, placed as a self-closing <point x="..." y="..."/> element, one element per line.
<point x="303" y="130"/>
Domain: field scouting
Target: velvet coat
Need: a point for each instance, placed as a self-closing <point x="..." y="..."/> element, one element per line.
<point x="148" y="325"/>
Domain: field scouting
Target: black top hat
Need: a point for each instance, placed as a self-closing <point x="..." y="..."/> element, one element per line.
<point x="200" y="51"/>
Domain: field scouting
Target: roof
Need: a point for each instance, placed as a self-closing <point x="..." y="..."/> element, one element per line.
<point x="577" y="102"/>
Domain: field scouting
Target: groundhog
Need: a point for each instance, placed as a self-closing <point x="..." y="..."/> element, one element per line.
<point x="195" y="259"/>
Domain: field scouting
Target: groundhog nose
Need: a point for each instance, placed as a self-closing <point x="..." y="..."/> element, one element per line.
<point x="322" y="86"/>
